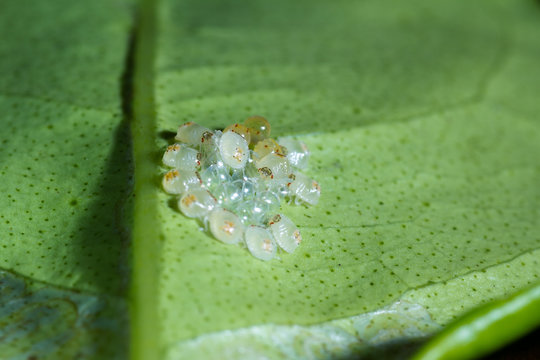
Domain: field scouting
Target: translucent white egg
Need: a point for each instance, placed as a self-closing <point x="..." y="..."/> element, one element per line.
<point x="181" y="156"/>
<point x="209" y="148"/>
<point x="297" y="152"/>
<point x="197" y="203"/>
<point x="251" y="211"/>
<point x="256" y="209"/>
<point x="214" y="175"/>
<point x="305" y="189"/>
<point x="234" y="150"/>
<point x="179" y="181"/>
<point x="265" y="173"/>
<point x="285" y="232"/>
<point x="260" y="243"/>
<point x="248" y="188"/>
<point x="225" y="226"/>
<point x="277" y="164"/>
<point x="193" y="134"/>
<point x="250" y="171"/>
<point x="227" y="194"/>
<point x="269" y="201"/>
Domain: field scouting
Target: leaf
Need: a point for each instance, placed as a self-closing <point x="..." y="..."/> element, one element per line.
<point x="422" y="119"/>
<point x="66" y="170"/>
<point x="482" y="330"/>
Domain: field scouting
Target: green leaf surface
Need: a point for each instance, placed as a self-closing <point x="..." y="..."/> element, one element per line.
<point x="422" y="121"/>
<point x="422" y="118"/>
<point x="481" y="331"/>
<point x="65" y="170"/>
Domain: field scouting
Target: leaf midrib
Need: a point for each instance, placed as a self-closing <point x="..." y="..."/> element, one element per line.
<point x="144" y="342"/>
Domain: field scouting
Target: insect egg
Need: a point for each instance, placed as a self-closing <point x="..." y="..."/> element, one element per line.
<point x="244" y="176"/>
<point x="291" y="177"/>
<point x="269" y="201"/>
<point x="191" y="133"/>
<point x="260" y="242"/>
<point x="285" y="232"/>
<point x="181" y="156"/>
<point x="305" y="189"/>
<point x="297" y="152"/>
<point x="259" y="128"/>
<point x="248" y="188"/>
<point x="214" y="175"/>
<point x="251" y="212"/>
<point x="179" y="181"/>
<point x="210" y="151"/>
<point x="265" y="173"/>
<point x="240" y="130"/>
<point x="207" y="137"/>
<point x="278" y="164"/>
<point x="196" y="203"/>
<point x="227" y="194"/>
<point x="225" y="226"/>
<point x="234" y="150"/>
<point x="265" y="147"/>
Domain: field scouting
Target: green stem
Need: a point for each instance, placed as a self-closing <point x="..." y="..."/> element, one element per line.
<point x="487" y="328"/>
<point x="146" y="248"/>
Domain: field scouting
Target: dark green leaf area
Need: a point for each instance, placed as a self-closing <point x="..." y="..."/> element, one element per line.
<point x="63" y="51"/>
<point x="63" y="188"/>
<point x="328" y="65"/>
<point x="65" y="154"/>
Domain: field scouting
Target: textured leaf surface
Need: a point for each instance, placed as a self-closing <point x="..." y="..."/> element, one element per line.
<point x="423" y="122"/>
<point x="422" y="119"/>
<point x="65" y="170"/>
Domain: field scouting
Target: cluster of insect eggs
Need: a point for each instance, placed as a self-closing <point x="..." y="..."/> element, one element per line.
<point x="234" y="180"/>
